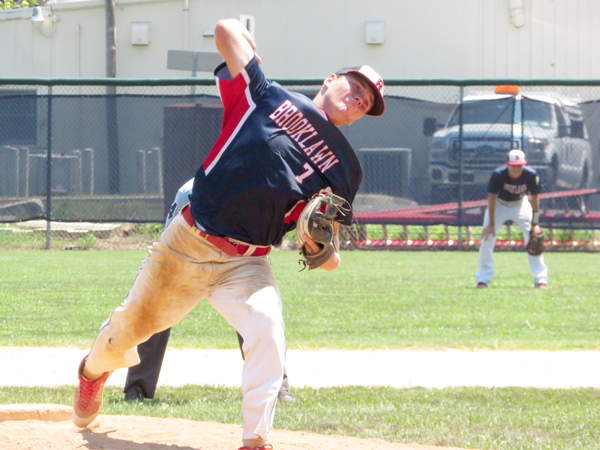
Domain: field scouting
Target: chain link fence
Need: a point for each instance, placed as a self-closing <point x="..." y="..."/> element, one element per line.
<point x="118" y="150"/>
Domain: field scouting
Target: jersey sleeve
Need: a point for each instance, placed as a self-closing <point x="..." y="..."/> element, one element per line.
<point x="495" y="184"/>
<point x="347" y="217"/>
<point x="248" y="85"/>
<point x="534" y="186"/>
<point x="239" y="96"/>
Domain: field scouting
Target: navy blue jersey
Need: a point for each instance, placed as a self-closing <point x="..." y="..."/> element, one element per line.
<point x="512" y="190"/>
<point x="276" y="150"/>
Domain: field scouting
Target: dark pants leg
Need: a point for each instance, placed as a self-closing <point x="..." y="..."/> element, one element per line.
<point x="146" y="373"/>
<point x="286" y="384"/>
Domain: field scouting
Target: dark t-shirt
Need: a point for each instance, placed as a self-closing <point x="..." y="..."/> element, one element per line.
<point x="512" y="190"/>
<point x="276" y="150"/>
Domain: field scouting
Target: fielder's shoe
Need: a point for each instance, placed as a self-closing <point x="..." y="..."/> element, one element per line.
<point x="88" y="397"/>
<point x="541" y="286"/>
<point x="266" y="447"/>
<point x="285" y="396"/>
<point x="135" y="394"/>
<point x="481" y="285"/>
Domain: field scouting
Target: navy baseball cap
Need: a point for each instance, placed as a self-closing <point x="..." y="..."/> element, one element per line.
<point x="374" y="81"/>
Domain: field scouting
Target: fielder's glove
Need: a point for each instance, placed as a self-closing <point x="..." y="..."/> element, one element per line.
<point x="535" y="246"/>
<point x="316" y="222"/>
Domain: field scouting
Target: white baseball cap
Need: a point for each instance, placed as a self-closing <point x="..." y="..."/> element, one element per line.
<point x="516" y="158"/>
<point x="375" y="83"/>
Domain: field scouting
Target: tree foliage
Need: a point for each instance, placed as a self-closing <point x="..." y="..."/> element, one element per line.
<point x="18" y="4"/>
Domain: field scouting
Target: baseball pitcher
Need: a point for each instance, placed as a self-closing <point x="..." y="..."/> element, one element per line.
<point x="278" y="151"/>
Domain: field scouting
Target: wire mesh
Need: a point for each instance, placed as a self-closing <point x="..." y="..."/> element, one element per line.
<point x="118" y="150"/>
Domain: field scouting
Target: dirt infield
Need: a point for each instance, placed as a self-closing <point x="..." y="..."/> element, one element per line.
<point x="150" y="433"/>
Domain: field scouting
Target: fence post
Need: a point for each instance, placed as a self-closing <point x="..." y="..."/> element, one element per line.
<point x="112" y="141"/>
<point x="90" y="152"/>
<point x="49" y="170"/>
<point x="460" y="167"/>
<point x="160" y="170"/>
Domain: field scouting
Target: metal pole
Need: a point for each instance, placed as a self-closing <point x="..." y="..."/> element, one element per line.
<point x="49" y="169"/>
<point x="112" y="139"/>
<point x="111" y="49"/>
<point x="460" y="167"/>
<point x="522" y="123"/>
<point x="194" y="71"/>
<point x="27" y="174"/>
<point x="18" y="168"/>
<point x="160" y="171"/>
<point x="512" y="124"/>
<point x="91" y="150"/>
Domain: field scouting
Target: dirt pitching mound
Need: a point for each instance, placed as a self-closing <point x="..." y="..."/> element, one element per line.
<point x="49" y="431"/>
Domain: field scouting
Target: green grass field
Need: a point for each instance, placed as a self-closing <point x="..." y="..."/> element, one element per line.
<point x="374" y="300"/>
<point x="507" y="418"/>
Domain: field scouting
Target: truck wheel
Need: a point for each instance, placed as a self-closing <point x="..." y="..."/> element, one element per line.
<point x="585" y="178"/>
<point x="578" y="203"/>
<point x="552" y="177"/>
<point x="550" y="186"/>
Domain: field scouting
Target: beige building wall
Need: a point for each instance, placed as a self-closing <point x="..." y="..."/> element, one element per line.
<point x="312" y="38"/>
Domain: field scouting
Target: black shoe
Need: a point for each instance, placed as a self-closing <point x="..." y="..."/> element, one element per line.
<point x="285" y="396"/>
<point x="134" y="394"/>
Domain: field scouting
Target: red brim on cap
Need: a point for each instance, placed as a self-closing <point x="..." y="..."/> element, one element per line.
<point x="517" y="163"/>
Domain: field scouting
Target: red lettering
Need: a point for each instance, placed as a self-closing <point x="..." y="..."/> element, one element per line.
<point x="325" y="166"/>
<point x="309" y="150"/>
<point x="321" y="155"/>
<point x="296" y="136"/>
<point x="284" y="106"/>
<point x="292" y="121"/>
<point x="286" y="115"/>
<point x="308" y="172"/>
<point x="298" y="125"/>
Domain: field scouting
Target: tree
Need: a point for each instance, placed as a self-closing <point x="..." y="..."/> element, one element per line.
<point x="12" y="4"/>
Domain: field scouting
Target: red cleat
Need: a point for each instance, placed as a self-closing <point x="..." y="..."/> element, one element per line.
<point x="88" y="398"/>
<point x="541" y="286"/>
<point x="266" y="447"/>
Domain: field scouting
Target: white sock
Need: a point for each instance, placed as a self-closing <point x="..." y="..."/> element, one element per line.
<point x="90" y="375"/>
<point x="251" y="443"/>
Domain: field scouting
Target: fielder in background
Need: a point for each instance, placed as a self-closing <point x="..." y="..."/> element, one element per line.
<point x="507" y="200"/>
<point x="142" y="379"/>
<point x="277" y="152"/>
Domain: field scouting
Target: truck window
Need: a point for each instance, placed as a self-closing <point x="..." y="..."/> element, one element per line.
<point x="575" y="115"/>
<point x="536" y="113"/>
<point x="485" y="111"/>
<point x="577" y="129"/>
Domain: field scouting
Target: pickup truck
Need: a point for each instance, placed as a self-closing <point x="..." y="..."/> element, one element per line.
<point x="550" y="131"/>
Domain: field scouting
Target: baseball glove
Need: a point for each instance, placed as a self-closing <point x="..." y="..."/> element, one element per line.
<point x="316" y="222"/>
<point x="535" y="246"/>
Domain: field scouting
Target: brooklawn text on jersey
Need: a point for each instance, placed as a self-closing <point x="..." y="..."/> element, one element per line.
<point x="293" y="122"/>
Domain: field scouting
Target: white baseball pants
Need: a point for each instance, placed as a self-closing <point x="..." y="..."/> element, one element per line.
<point x="519" y="212"/>
<point x="181" y="269"/>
